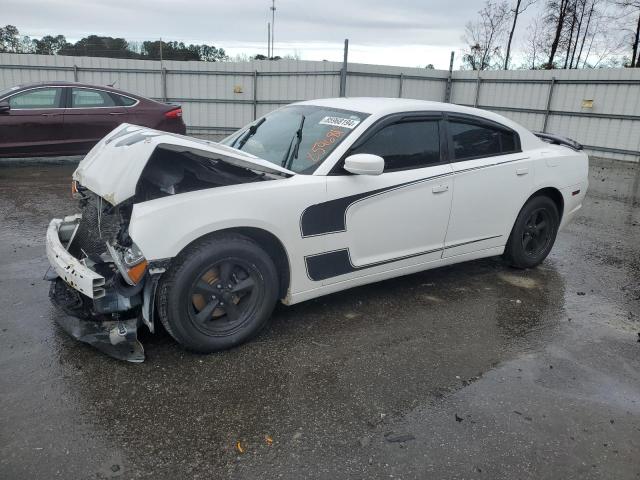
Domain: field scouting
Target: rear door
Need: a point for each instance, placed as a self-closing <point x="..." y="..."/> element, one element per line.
<point x="373" y="224"/>
<point x="34" y="123"/>
<point x="92" y="113"/>
<point x="491" y="181"/>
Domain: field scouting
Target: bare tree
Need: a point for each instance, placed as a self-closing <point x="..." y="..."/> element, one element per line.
<point x="520" y="7"/>
<point x="483" y="36"/>
<point x="557" y="15"/>
<point x="631" y="9"/>
<point x="572" y="13"/>
<point x="586" y="32"/>
<point x="535" y="45"/>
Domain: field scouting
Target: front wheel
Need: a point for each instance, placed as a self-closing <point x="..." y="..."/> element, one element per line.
<point x="533" y="233"/>
<point x="218" y="293"/>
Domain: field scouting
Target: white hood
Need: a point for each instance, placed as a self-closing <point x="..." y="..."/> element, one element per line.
<point x="112" y="168"/>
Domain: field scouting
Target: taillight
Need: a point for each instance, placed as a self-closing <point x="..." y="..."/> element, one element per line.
<point x="175" y="113"/>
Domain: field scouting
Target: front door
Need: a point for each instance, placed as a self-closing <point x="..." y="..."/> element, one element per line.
<point x="34" y="123"/>
<point x="92" y="113"/>
<point x="372" y="224"/>
<point x="492" y="180"/>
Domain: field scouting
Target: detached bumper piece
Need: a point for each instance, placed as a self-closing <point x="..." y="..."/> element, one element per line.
<point x="116" y="338"/>
<point x="95" y="309"/>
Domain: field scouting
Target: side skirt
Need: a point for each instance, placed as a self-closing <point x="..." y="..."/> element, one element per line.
<point x="398" y="272"/>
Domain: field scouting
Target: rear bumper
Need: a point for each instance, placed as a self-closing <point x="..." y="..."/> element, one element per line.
<point x="573" y="197"/>
<point x="76" y="274"/>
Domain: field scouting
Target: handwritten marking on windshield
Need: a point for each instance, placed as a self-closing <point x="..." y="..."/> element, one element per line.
<point x="319" y="148"/>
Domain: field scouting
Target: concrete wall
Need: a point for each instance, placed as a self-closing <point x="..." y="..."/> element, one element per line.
<point x="218" y="98"/>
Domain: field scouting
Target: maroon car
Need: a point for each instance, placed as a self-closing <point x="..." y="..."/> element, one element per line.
<point x="65" y="118"/>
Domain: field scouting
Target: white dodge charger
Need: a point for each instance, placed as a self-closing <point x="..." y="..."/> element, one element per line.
<point x="313" y="198"/>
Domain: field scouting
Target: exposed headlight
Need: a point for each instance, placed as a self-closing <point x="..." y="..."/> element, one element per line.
<point x="132" y="256"/>
<point x="130" y="262"/>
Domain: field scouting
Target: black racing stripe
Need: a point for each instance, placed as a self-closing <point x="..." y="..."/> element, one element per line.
<point x="330" y="217"/>
<point x="338" y="262"/>
<point x="323" y="266"/>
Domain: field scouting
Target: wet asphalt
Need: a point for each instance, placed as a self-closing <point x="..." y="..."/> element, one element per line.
<point x="471" y="371"/>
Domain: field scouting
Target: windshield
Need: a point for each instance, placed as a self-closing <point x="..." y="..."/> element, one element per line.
<point x="298" y="137"/>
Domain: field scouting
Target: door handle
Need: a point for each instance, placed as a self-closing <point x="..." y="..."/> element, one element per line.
<point x="49" y="114"/>
<point x="522" y="171"/>
<point x="440" y="188"/>
<point x="116" y="113"/>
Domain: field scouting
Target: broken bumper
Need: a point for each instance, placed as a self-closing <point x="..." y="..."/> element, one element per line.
<point x="70" y="269"/>
<point x="89" y="308"/>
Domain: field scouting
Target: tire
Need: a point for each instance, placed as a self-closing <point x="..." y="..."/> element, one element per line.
<point x="196" y="294"/>
<point x="533" y="233"/>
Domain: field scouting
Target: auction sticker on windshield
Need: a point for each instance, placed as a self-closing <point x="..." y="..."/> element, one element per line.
<point x="340" y="122"/>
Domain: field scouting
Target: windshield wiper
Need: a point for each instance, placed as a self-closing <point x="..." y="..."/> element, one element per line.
<point x="292" y="153"/>
<point x="242" y="139"/>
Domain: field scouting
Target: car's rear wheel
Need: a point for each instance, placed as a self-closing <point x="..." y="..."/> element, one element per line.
<point x="218" y="293"/>
<point x="533" y="233"/>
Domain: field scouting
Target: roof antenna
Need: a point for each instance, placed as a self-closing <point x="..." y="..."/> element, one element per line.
<point x="112" y="84"/>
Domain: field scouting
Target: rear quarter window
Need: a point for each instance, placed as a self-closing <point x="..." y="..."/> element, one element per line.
<point x="122" y="100"/>
<point x="476" y="140"/>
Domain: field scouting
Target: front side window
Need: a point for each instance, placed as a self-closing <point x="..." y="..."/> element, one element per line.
<point x="86" y="98"/>
<point x="298" y="137"/>
<point x="37" y="98"/>
<point x="473" y="140"/>
<point x="404" y="145"/>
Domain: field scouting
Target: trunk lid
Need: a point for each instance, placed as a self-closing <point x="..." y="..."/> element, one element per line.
<point x="113" y="167"/>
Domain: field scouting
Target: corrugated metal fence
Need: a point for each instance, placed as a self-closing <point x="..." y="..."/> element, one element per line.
<point x="599" y="108"/>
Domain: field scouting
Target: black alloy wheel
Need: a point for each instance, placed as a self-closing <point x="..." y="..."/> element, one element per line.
<point x="218" y="293"/>
<point x="537" y="232"/>
<point x="533" y="233"/>
<point x="224" y="296"/>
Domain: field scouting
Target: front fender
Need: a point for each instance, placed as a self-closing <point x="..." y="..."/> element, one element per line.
<point x="163" y="227"/>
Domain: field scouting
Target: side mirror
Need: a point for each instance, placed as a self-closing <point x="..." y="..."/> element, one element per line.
<point x="4" y="106"/>
<point x="364" y="164"/>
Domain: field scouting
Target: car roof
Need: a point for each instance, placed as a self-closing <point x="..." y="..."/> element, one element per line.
<point x="381" y="106"/>
<point x="65" y="83"/>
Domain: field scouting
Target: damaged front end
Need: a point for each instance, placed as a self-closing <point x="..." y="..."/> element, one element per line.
<point x="101" y="280"/>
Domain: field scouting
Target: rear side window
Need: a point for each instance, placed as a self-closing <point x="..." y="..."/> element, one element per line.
<point x="122" y="100"/>
<point x="86" y="98"/>
<point x="474" y="140"/>
<point x="37" y="98"/>
<point x="405" y="145"/>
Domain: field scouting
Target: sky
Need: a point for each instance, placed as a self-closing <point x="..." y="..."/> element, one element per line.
<point x="394" y="32"/>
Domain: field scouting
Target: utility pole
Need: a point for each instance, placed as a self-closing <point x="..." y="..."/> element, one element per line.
<point x="343" y="70"/>
<point x="268" y="40"/>
<point x="447" y="94"/>
<point x="273" y="27"/>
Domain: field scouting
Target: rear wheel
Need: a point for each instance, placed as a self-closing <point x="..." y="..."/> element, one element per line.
<point x="218" y="294"/>
<point x="533" y="234"/>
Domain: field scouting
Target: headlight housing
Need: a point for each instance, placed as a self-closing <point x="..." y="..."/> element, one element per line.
<point x="130" y="262"/>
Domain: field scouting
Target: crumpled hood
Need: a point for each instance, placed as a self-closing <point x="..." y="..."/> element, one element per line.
<point x="112" y="168"/>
